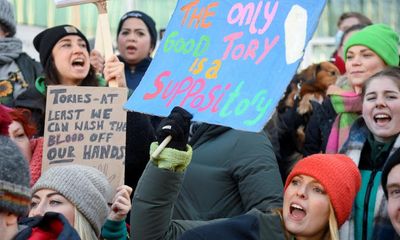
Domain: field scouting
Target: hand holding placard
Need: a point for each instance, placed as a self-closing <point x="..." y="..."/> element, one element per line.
<point x="173" y="131"/>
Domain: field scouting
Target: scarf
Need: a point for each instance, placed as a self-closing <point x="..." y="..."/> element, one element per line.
<point x="348" y="107"/>
<point x="10" y="49"/>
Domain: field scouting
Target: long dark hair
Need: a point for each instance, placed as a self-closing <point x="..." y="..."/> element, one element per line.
<point x="52" y="75"/>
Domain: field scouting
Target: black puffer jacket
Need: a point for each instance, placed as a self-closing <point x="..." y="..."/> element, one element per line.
<point x="319" y="127"/>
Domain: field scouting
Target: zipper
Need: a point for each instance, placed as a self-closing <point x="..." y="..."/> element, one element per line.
<point x="366" y="204"/>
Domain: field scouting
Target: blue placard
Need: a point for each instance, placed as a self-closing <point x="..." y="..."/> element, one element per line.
<point x="227" y="62"/>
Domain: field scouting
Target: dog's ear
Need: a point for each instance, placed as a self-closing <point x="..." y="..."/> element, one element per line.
<point x="317" y="69"/>
<point x="310" y="73"/>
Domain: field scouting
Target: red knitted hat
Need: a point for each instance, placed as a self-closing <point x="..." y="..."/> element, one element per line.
<point x="339" y="176"/>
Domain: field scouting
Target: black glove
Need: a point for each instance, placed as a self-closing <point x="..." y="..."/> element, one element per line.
<point x="177" y="126"/>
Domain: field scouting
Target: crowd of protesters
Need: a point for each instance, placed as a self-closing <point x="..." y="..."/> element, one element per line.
<point x="210" y="181"/>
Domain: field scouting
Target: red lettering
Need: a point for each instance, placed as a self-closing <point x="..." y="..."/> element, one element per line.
<point x="158" y="84"/>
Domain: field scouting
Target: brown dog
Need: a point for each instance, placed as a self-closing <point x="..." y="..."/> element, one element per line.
<point x="288" y="137"/>
<point x="309" y="84"/>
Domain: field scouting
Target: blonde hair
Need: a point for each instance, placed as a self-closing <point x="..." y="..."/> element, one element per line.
<point x="332" y="234"/>
<point x="333" y="226"/>
<point x="83" y="227"/>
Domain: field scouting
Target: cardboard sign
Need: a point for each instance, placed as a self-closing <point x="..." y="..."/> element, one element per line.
<point x="227" y="62"/>
<point x="65" y="3"/>
<point x="86" y="125"/>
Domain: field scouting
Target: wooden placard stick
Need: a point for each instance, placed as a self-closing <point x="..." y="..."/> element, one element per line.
<point x="103" y="42"/>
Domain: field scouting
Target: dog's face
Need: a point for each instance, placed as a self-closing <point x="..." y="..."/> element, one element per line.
<point x="327" y="75"/>
<point x="313" y="80"/>
<point x="318" y="77"/>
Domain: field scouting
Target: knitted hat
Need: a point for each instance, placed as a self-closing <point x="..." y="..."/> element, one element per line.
<point x="15" y="193"/>
<point x="85" y="187"/>
<point x="390" y="163"/>
<point x="339" y="176"/>
<point x="151" y="25"/>
<point x="45" y="41"/>
<point x="7" y="17"/>
<point x="381" y="39"/>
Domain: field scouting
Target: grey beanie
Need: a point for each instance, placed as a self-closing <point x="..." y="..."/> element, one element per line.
<point x="15" y="194"/>
<point x="85" y="187"/>
<point x="7" y="17"/>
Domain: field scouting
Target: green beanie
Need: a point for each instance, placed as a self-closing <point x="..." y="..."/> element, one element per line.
<point x="381" y="39"/>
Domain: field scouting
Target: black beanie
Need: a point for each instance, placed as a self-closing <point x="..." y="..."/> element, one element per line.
<point x="151" y="25"/>
<point x="45" y="41"/>
<point x="394" y="159"/>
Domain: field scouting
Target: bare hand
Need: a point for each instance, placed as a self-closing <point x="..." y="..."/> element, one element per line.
<point x="97" y="61"/>
<point x="114" y="71"/>
<point x="121" y="203"/>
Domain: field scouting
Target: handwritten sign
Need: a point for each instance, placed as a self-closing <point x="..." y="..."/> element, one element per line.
<point x="227" y="62"/>
<point x="86" y="125"/>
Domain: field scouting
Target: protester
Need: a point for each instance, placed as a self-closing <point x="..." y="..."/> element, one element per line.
<point x="342" y="81"/>
<point x="21" y="131"/>
<point x="367" y="52"/>
<point x="372" y="140"/>
<point x="82" y="194"/>
<point x="19" y="126"/>
<point x="64" y="55"/>
<point x="136" y="40"/>
<point x="15" y="199"/>
<point x="345" y="21"/>
<point x="391" y="188"/>
<point x="14" y="187"/>
<point x="232" y="172"/>
<point x="315" y="205"/>
<point x="315" y="202"/>
<point x="18" y="71"/>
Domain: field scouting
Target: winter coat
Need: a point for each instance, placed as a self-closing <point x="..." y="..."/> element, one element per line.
<point x="369" y="219"/>
<point x="114" y="230"/>
<point x="133" y="77"/>
<point x="24" y="77"/>
<point x="139" y="135"/>
<point x="319" y="127"/>
<point x="153" y="204"/>
<point x="139" y="129"/>
<point x="231" y="172"/>
<point x="51" y="226"/>
<point x="282" y="130"/>
<point x="255" y="225"/>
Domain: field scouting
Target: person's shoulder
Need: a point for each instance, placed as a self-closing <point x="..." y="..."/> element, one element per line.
<point x="245" y="136"/>
<point x="25" y="57"/>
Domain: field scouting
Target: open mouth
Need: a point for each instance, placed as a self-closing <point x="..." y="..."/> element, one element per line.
<point x="297" y="211"/>
<point x="131" y="48"/>
<point x="79" y="62"/>
<point x="382" y="118"/>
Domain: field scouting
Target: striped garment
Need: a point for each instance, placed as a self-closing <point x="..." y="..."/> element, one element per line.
<point x="348" y="106"/>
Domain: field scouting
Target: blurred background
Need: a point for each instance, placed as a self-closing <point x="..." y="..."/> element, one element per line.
<point x="34" y="15"/>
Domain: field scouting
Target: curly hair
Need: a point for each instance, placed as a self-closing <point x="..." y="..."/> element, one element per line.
<point x="5" y="120"/>
<point x="23" y="116"/>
